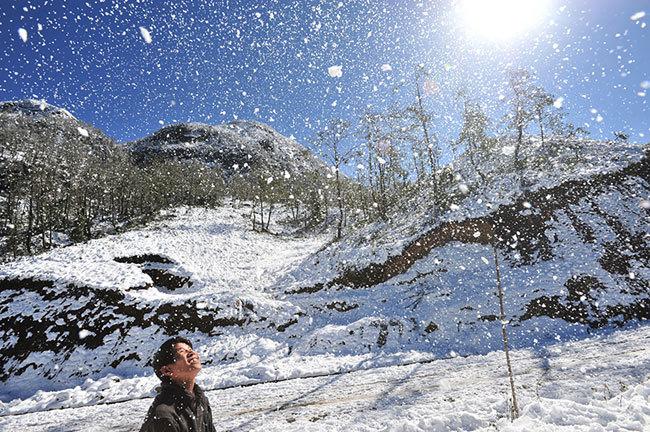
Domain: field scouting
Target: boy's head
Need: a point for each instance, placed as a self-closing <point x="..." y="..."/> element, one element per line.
<point x="176" y="361"/>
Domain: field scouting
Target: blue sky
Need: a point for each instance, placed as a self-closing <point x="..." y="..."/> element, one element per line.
<point x="213" y="61"/>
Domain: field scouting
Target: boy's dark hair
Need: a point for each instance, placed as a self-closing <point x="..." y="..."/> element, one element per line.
<point x="166" y="354"/>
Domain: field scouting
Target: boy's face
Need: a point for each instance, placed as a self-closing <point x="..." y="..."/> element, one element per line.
<point x="186" y="366"/>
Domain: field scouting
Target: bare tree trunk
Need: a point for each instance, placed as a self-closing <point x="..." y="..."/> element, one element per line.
<point x="268" y="220"/>
<point x="339" y="199"/>
<point x="417" y="164"/>
<point x="504" y="334"/>
<point x="30" y="223"/>
<point x="382" y="193"/>
<point x="425" y="130"/>
<point x="520" y="139"/>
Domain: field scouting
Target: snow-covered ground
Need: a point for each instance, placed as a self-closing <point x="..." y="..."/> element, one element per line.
<point x="229" y="268"/>
<point x="81" y="322"/>
<point x="598" y="384"/>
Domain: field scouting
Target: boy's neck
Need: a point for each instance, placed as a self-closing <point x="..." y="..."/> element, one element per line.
<point x="188" y="386"/>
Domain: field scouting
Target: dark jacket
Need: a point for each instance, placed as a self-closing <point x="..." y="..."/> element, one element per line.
<point x="175" y="410"/>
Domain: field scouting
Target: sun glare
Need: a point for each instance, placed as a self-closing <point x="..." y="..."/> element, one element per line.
<point x="501" y="20"/>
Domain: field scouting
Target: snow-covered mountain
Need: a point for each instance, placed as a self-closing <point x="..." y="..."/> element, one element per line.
<point x="573" y="258"/>
<point x="236" y="147"/>
<point x="37" y="124"/>
<point x="34" y="108"/>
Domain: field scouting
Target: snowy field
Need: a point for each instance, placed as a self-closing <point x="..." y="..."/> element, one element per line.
<point x="598" y="384"/>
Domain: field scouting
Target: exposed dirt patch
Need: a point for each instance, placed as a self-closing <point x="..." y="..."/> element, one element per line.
<point x="431" y="327"/>
<point x="341" y="306"/>
<point x="580" y="305"/>
<point x="144" y="259"/>
<point x="154" y="266"/>
<point x="164" y="278"/>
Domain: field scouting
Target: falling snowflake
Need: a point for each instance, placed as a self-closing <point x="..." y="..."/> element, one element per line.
<point x="23" y="34"/>
<point x="335" y="71"/>
<point x="637" y="16"/>
<point x="558" y="102"/>
<point x="83" y="132"/>
<point x="386" y="67"/>
<point x="145" y="35"/>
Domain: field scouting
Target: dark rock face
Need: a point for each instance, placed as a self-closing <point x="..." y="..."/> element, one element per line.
<point x="341" y="306"/>
<point x="144" y="259"/>
<point x="166" y="279"/>
<point x="431" y="327"/>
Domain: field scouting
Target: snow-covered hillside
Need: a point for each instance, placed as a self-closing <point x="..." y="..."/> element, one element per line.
<point x="36" y="121"/>
<point x="583" y="167"/>
<point x="79" y="324"/>
<point x="101" y="307"/>
<point x="573" y="253"/>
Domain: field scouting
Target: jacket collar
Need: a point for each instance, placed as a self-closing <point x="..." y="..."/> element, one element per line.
<point x="180" y="391"/>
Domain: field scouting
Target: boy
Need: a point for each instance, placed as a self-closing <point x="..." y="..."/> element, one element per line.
<point x="180" y="405"/>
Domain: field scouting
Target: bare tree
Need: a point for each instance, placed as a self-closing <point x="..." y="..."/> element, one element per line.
<point x="330" y="141"/>
<point x="504" y="333"/>
<point x="522" y="111"/>
<point x="473" y="138"/>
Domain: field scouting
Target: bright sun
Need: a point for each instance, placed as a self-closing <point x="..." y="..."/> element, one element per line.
<point x="501" y="20"/>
